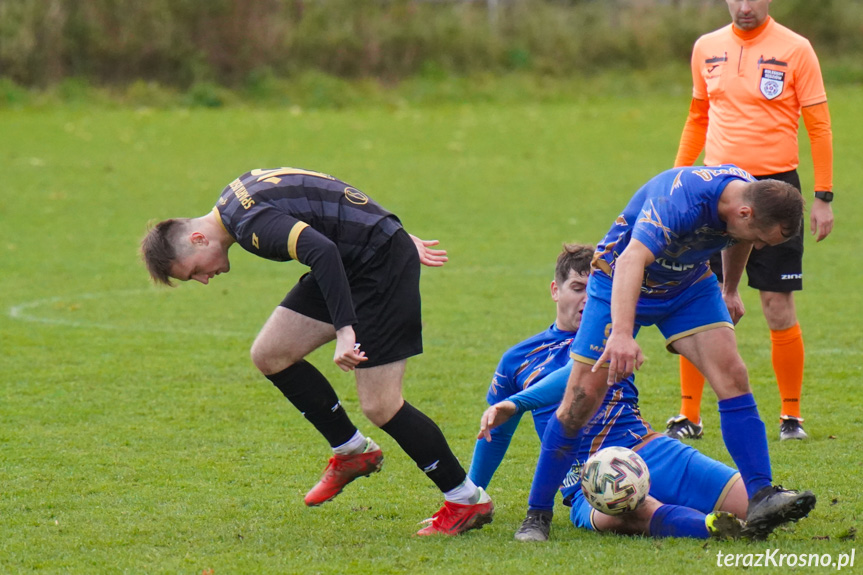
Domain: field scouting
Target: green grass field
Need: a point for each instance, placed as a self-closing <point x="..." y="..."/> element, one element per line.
<point x="137" y="437"/>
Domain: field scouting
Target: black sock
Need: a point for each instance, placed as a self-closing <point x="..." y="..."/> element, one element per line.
<point x="310" y="392"/>
<point x="425" y="443"/>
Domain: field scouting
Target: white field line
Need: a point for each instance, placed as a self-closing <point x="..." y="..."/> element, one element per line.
<point x="28" y="311"/>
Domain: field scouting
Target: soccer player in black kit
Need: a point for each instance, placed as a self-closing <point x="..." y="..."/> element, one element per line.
<point x="362" y="290"/>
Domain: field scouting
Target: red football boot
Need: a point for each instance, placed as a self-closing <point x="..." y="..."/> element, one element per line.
<point x="342" y="469"/>
<point x="455" y="518"/>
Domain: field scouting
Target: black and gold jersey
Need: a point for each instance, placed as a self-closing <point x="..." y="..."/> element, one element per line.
<point x="294" y="214"/>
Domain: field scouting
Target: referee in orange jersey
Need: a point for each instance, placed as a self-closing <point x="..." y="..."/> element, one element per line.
<point x="751" y="81"/>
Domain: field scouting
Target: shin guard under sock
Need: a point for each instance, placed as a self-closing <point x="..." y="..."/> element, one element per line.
<point x="555" y="460"/>
<point x="691" y="390"/>
<point x="424" y="442"/>
<point x="788" y="358"/>
<point x="746" y="440"/>
<point x="310" y="392"/>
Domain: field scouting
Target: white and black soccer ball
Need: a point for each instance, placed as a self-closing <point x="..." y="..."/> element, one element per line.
<point x="615" y="480"/>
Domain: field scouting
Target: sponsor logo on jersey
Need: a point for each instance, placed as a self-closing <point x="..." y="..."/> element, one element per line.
<point x="674" y="266"/>
<point x="772" y="83"/>
<point x="255" y="241"/>
<point x="355" y="196"/>
<point x="714" y="63"/>
<point x="242" y="194"/>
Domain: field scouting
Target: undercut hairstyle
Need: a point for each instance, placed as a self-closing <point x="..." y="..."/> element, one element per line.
<point x="574" y="257"/>
<point x="159" y="249"/>
<point x="775" y="202"/>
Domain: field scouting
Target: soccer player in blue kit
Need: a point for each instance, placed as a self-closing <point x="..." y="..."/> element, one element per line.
<point x="528" y="362"/>
<point x="692" y="495"/>
<point x="651" y="268"/>
<point x="362" y="291"/>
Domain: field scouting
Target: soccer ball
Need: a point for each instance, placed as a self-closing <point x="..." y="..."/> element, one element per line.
<point x="615" y="480"/>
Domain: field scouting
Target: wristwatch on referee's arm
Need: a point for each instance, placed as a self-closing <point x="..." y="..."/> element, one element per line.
<point x="825" y="196"/>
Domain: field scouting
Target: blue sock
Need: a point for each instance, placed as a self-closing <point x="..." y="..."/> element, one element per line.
<point x="677" y="521"/>
<point x="746" y="440"/>
<point x="555" y="460"/>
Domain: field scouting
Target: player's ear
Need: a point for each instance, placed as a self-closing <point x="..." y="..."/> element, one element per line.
<point x="554" y="291"/>
<point x="198" y="239"/>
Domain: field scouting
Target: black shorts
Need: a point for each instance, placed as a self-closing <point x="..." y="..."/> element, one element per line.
<point x="773" y="268"/>
<point x="386" y="297"/>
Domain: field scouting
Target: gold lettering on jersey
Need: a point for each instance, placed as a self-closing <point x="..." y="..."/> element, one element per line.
<point x="255" y="241"/>
<point x="708" y="174"/>
<point x="355" y="196"/>
<point x="242" y="194"/>
<point x="271" y="176"/>
<point x="704" y="175"/>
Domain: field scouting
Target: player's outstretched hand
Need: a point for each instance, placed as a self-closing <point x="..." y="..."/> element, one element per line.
<point x="497" y="414"/>
<point x="428" y="256"/>
<point x="623" y="355"/>
<point x="348" y="354"/>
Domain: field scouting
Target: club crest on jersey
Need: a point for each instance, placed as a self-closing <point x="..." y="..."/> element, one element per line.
<point x="772" y="83"/>
<point x="355" y="196"/>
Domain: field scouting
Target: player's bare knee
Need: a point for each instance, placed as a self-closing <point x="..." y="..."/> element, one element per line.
<point x="566" y="418"/>
<point x="267" y="362"/>
<point x="734" y="381"/>
<point x="379" y="413"/>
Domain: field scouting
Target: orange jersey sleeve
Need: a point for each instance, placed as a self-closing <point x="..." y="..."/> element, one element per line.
<point x="817" y="120"/>
<point x="694" y="134"/>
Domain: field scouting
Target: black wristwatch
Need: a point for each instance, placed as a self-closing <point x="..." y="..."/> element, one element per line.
<point x="825" y="196"/>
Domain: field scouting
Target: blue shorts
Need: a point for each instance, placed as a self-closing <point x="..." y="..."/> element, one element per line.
<point x="699" y="307"/>
<point x="679" y="475"/>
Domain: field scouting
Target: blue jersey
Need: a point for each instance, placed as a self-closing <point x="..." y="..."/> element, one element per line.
<point x="521" y="366"/>
<point x="618" y="420"/>
<point x="676" y="216"/>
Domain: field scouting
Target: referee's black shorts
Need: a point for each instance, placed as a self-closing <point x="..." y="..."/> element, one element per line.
<point x="386" y="297"/>
<point x="773" y="268"/>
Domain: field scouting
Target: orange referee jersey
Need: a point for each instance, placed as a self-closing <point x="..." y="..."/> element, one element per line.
<point x="756" y="84"/>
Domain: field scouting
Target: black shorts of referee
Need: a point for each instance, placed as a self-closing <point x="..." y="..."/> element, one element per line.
<point x="773" y="268"/>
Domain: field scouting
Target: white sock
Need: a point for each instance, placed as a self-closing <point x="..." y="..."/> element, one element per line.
<point x="466" y="494"/>
<point x="356" y="444"/>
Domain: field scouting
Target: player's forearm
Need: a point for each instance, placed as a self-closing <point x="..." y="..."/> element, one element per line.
<point x="548" y="391"/>
<point x="733" y="263"/>
<point x="625" y="291"/>
<point x="322" y="256"/>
